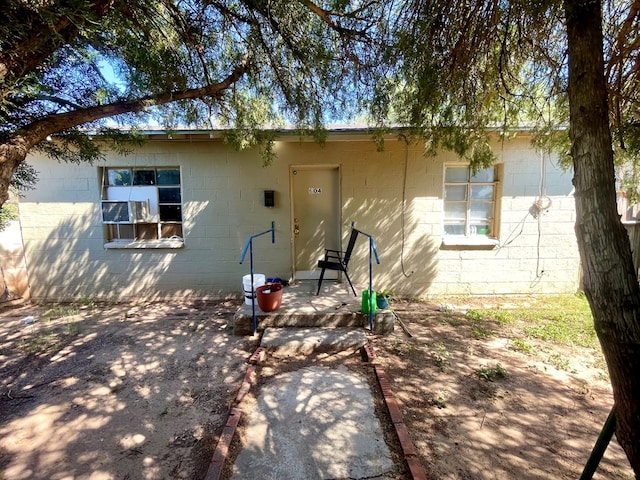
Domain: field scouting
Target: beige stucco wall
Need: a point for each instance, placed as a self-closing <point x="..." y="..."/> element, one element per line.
<point x="12" y="262"/>
<point x="222" y="206"/>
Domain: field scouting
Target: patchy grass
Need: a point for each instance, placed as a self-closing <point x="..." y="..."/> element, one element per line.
<point x="558" y="361"/>
<point x="39" y="343"/>
<point x="87" y="302"/>
<point x="491" y="374"/>
<point x="480" y="329"/>
<point x="441" y="357"/>
<point x="73" y="329"/>
<point x="60" y="311"/>
<point x="46" y="335"/>
<point x="521" y="345"/>
<point x="563" y="319"/>
<point x="450" y="317"/>
<point x="475" y="316"/>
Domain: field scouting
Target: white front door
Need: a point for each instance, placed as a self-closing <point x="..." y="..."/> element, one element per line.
<point x="316" y="217"/>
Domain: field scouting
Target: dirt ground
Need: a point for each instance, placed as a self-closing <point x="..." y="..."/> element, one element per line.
<point x="537" y="420"/>
<point x="142" y="391"/>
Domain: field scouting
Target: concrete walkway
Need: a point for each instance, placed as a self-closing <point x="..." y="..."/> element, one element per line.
<point x="314" y="423"/>
<point x="318" y="422"/>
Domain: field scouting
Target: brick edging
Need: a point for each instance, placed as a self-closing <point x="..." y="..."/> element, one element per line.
<point x="406" y="444"/>
<point x="222" y="448"/>
<point x="224" y="442"/>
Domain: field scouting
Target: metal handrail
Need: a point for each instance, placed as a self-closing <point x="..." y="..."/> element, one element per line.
<point x="600" y="446"/>
<point x="373" y="252"/>
<point x="249" y="246"/>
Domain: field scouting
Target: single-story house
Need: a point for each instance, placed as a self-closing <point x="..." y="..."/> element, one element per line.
<point x="171" y="219"/>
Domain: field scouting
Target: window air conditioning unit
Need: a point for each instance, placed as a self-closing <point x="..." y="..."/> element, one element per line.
<point x="140" y="212"/>
<point x="126" y="211"/>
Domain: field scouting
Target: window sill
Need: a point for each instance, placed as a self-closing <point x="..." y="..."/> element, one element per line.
<point x="473" y="242"/>
<point x="144" y="244"/>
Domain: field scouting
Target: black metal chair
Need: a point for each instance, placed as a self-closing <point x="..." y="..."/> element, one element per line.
<point x="338" y="260"/>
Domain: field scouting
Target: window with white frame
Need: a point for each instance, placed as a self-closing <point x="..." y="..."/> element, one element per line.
<point x="142" y="204"/>
<point x="470" y="202"/>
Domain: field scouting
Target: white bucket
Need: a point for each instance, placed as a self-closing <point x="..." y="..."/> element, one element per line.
<point x="248" y="292"/>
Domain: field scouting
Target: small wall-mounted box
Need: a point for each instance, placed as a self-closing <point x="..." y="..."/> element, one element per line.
<point x="269" y="198"/>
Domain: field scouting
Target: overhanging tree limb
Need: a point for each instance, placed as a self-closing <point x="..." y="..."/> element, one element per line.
<point x="39" y="129"/>
<point x="13" y="151"/>
<point x="39" y="39"/>
<point x="325" y="16"/>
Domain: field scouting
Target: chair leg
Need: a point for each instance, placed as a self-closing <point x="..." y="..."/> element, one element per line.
<point x="351" y="284"/>
<point x="320" y="282"/>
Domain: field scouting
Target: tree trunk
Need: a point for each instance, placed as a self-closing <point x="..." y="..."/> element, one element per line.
<point x="12" y="154"/>
<point x="610" y="282"/>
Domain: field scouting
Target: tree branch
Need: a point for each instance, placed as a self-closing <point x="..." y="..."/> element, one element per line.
<point x="40" y="40"/>
<point x="325" y="16"/>
<point x="60" y="101"/>
<point x="227" y="11"/>
<point x="39" y="129"/>
<point x="619" y="50"/>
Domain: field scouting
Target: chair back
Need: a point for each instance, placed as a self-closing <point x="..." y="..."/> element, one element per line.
<point x="350" y="245"/>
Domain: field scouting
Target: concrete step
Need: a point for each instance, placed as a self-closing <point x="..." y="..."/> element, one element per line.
<point x="383" y="321"/>
<point x="243" y="320"/>
<point x="312" y="340"/>
<point x="335" y="307"/>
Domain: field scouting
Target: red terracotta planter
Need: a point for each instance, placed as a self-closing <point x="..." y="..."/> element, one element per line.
<point x="269" y="296"/>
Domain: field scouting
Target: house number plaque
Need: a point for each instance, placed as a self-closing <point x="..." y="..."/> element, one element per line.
<point x="315" y="190"/>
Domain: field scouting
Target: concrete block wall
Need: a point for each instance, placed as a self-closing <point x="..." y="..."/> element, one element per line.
<point x="536" y="254"/>
<point x="12" y="263"/>
<point x="396" y="195"/>
<point x="222" y="206"/>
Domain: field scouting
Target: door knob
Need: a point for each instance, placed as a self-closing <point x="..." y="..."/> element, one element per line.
<point x="296" y="228"/>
